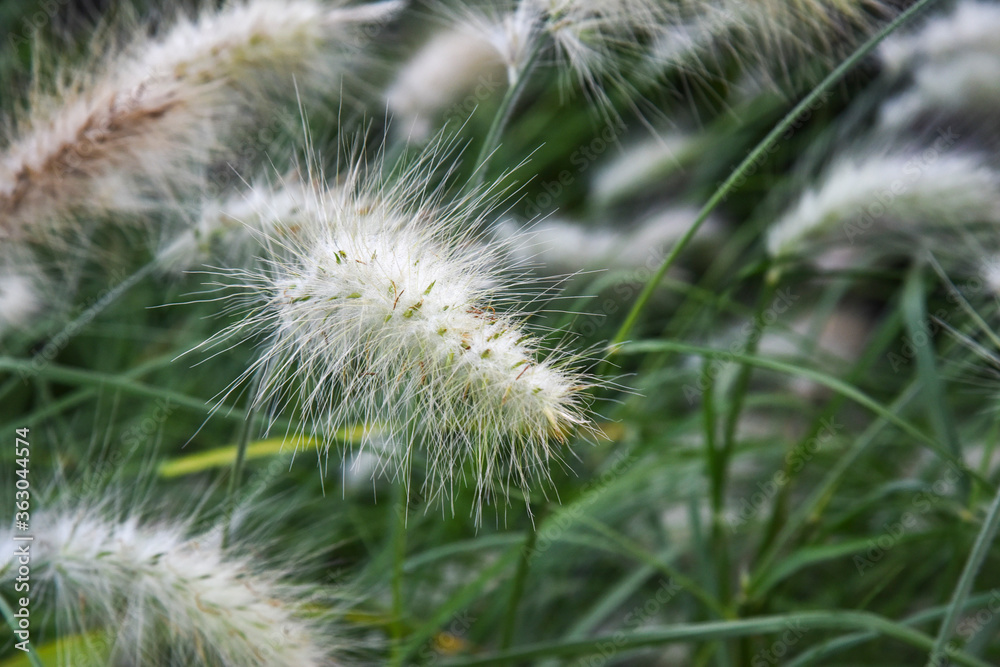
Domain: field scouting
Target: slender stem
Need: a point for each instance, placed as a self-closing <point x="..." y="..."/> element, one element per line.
<point x="720" y="475"/>
<point x="979" y="550"/>
<point x="71" y="328"/>
<point x="914" y="304"/>
<point x="84" y="377"/>
<point x="243" y="441"/>
<point x="743" y="384"/>
<point x="502" y="118"/>
<point x="689" y="585"/>
<point x="827" y="648"/>
<point x="517" y="587"/>
<point x="397" y="628"/>
<point x="751" y="159"/>
<point x="836" y="384"/>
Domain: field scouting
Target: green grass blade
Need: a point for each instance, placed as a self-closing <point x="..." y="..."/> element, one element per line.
<point x="720" y="630"/>
<point x="824" y="379"/>
<point x="984" y="541"/>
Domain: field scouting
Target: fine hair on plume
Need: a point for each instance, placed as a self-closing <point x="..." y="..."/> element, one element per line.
<point x="950" y="64"/>
<point x="901" y="188"/>
<point x="126" y="583"/>
<point x="227" y="230"/>
<point x="593" y="41"/>
<point x="388" y="311"/>
<point x="768" y="40"/>
<point x="455" y="62"/>
<point x="137" y="126"/>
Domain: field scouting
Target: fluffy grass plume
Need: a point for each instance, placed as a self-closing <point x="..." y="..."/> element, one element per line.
<point x="453" y="63"/>
<point x="227" y="230"/>
<point x="387" y="312"/>
<point x="953" y="63"/>
<point x="593" y="40"/>
<point x="971" y="27"/>
<point x="143" y="593"/>
<point x="859" y="197"/>
<point x="143" y="121"/>
<point x="770" y="40"/>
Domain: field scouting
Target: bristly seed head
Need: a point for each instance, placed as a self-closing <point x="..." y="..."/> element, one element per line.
<point x="383" y="312"/>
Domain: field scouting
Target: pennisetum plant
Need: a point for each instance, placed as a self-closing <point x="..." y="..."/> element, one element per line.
<point x="392" y="302"/>
<point x="140" y="124"/>
<point x="384" y="309"/>
<point x="863" y="197"/>
<point x="125" y="590"/>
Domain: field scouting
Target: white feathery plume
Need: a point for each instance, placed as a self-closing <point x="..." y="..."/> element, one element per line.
<point x="21" y="291"/>
<point x="965" y="82"/>
<point x="588" y="37"/>
<point x="971" y="27"/>
<point x="990" y="273"/>
<point x="158" y="596"/>
<point x="454" y="64"/>
<point x="769" y="39"/>
<point x="147" y="119"/>
<point x="954" y="60"/>
<point x="859" y="195"/>
<point x="384" y="313"/>
<point x="229" y="229"/>
<point x="557" y="246"/>
<point x="639" y="166"/>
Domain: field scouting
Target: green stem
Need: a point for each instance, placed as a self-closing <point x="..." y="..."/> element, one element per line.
<point x="914" y="305"/>
<point x="808" y="511"/>
<point x="979" y="550"/>
<point x="628" y="546"/>
<point x="502" y="118"/>
<point x="83" y="377"/>
<point x="720" y="545"/>
<point x="80" y="321"/>
<point x="742" y="386"/>
<point x="397" y="627"/>
<point x="827" y="648"/>
<point x="517" y="587"/>
<point x="751" y="159"/>
<point x="243" y="441"/>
